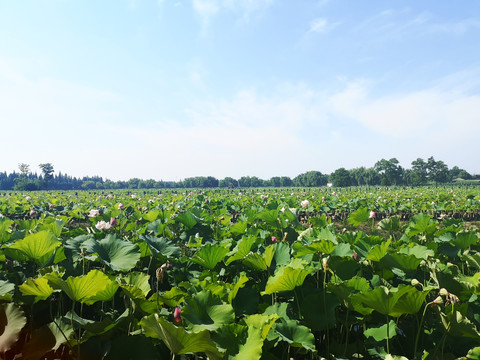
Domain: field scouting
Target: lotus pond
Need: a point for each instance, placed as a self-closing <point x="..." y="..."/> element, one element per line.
<point x="239" y="274"/>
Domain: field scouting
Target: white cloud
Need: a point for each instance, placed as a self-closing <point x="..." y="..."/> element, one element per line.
<point x="318" y="25"/>
<point x="436" y="115"/>
<point x="208" y="9"/>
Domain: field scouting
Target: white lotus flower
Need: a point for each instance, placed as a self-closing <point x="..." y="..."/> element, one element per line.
<point x="103" y="225"/>
<point x="305" y="204"/>
<point x="94" y="213"/>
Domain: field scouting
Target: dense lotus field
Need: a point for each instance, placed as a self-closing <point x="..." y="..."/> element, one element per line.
<point x="241" y="274"/>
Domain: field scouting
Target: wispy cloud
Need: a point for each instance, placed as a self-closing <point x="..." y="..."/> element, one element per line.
<point x="319" y="25"/>
<point x="208" y="9"/>
<point x="439" y="111"/>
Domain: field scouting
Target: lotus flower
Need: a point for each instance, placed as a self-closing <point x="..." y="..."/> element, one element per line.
<point x="113" y="221"/>
<point x="33" y="213"/>
<point x="305" y="204"/>
<point x="177" y="314"/>
<point x="372" y="215"/>
<point x="28" y="198"/>
<point x="120" y="206"/>
<point x="274" y="239"/>
<point x="50" y="206"/>
<point x="355" y="256"/>
<point x="103" y="225"/>
<point x="94" y="213"/>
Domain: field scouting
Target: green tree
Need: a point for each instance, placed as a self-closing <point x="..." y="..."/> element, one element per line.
<point x="389" y="171"/>
<point x="341" y="177"/>
<point x="47" y="170"/>
<point x="419" y="174"/>
<point x="437" y="171"/>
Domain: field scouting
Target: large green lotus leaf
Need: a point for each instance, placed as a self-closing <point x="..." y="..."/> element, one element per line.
<point x="47" y="338"/>
<point x="37" y="287"/>
<point x="210" y="255"/>
<point x="381" y="299"/>
<point x="419" y="224"/>
<point x="295" y="334"/>
<point x="318" y="246"/>
<point x="188" y="219"/>
<point x="38" y="246"/>
<point x="177" y="339"/>
<point x="359" y="216"/>
<point x="157" y="226"/>
<point x="474" y="353"/>
<point x="74" y="247"/>
<point x="161" y="246"/>
<point x="84" y="288"/>
<point x="380" y="333"/>
<point x="106" y="294"/>
<point x="390" y="224"/>
<point x="239" y="228"/>
<point x="342" y="250"/>
<point x="347" y="288"/>
<point x="152" y="215"/>
<point x="269" y="216"/>
<point x="242" y="249"/>
<point x="377" y="252"/>
<point x="172" y="297"/>
<point x="287" y="278"/>
<point x="12" y="322"/>
<point x="258" y="329"/>
<point x="318" y="310"/>
<point x="4" y="227"/>
<point x="411" y="302"/>
<point x="118" y="254"/>
<point x="465" y="239"/>
<point x="5" y="290"/>
<point x="282" y="253"/>
<point x="458" y="325"/>
<point x="53" y="225"/>
<point x="139" y="280"/>
<point x="401" y="261"/>
<point x="238" y="285"/>
<point x="203" y="311"/>
<point x="230" y="338"/>
<point x="419" y="251"/>
<point x="255" y="261"/>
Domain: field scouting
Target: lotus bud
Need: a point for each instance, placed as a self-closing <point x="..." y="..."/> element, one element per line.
<point x="177" y="314"/>
<point x="325" y="263"/>
<point x="355" y="256"/>
<point x="372" y="215"/>
<point x="274" y="239"/>
<point x="113" y="221"/>
<point x="33" y="213"/>
<point x="50" y="206"/>
<point x="28" y="198"/>
<point x="415" y="282"/>
<point x="120" y="206"/>
<point x="438" y="300"/>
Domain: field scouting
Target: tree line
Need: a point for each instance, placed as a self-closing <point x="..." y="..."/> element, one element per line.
<point x="384" y="172"/>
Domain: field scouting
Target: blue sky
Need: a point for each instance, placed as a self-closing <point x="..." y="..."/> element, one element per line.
<point x="169" y="89"/>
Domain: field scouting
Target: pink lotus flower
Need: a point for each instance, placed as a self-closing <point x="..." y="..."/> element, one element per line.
<point x="177" y="314"/>
<point x="33" y="213"/>
<point x="113" y="221"/>
<point x="372" y="215"/>
<point x="274" y="239"/>
<point x="355" y="256"/>
<point x="50" y="206"/>
<point x="120" y="206"/>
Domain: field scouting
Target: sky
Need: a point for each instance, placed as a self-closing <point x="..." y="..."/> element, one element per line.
<point x="169" y="89"/>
